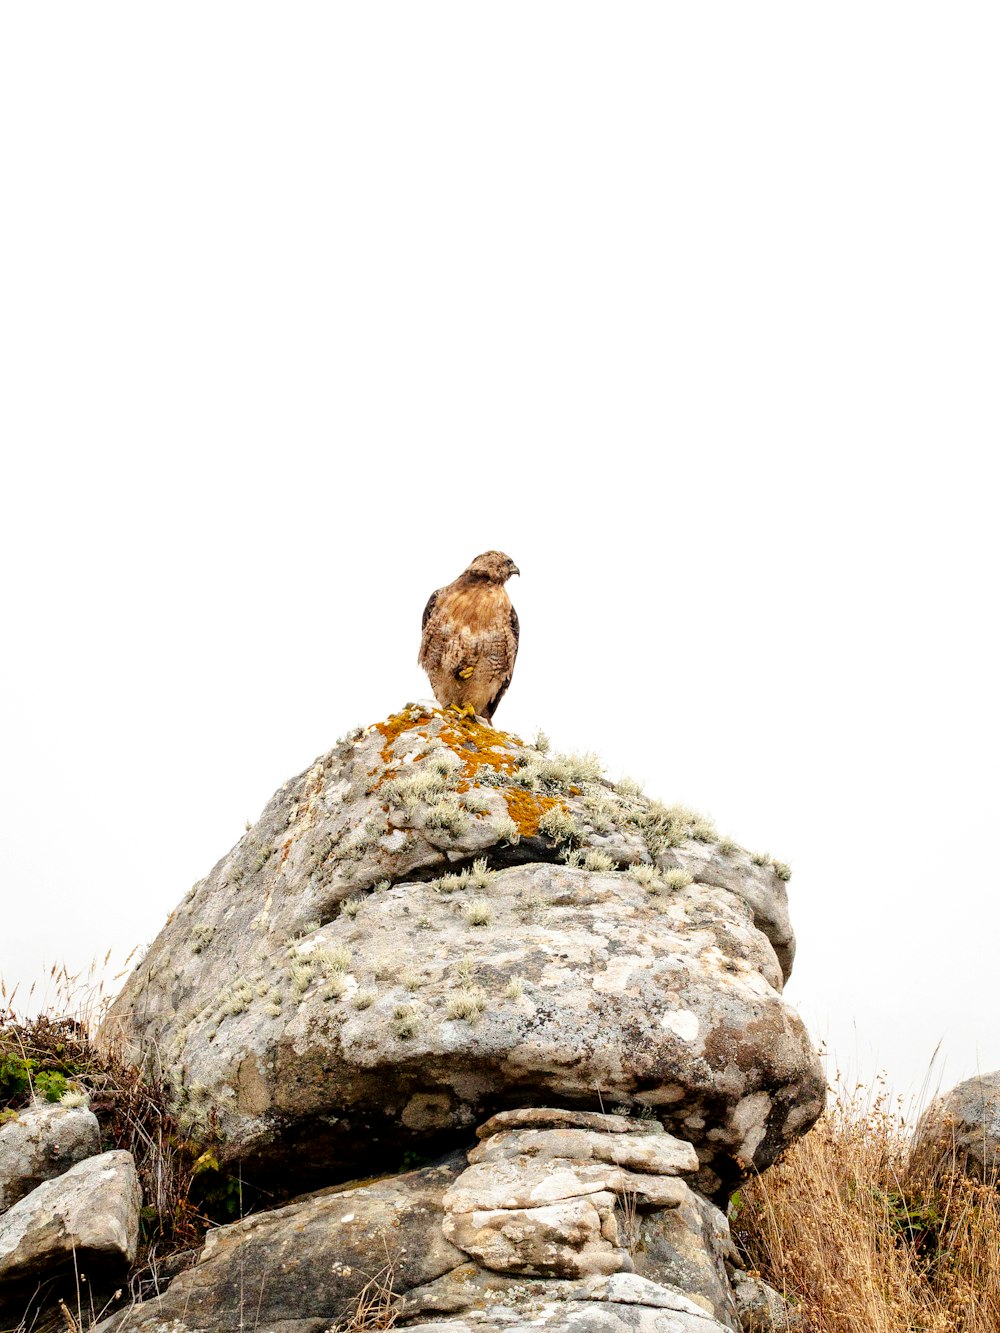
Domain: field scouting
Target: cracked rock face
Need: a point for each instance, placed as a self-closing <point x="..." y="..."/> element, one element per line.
<point x="435" y="922"/>
<point x="42" y="1142"/>
<point x="533" y="1229"/>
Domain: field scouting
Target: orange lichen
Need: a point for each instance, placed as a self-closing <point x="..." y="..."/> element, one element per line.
<point x="526" y="809"/>
<point x="479" y="746"/>
<point x="393" y="727"/>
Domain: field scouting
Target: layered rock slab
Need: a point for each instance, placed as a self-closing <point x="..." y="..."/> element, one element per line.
<point x="347" y="978"/>
<point x="436" y="1257"/>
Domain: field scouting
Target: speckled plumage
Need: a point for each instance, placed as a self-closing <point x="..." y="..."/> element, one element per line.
<point x="470" y="635"/>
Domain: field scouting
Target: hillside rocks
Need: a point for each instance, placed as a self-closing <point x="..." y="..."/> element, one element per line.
<point x="538" y="1223"/>
<point x="437" y="921"/>
<point x="302" y="1266"/>
<point x="41" y="1142"/>
<point x="963" y="1128"/>
<point x="87" y="1218"/>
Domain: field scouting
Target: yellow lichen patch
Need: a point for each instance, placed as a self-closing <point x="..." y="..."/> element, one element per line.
<point x="479" y="745"/>
<point x="526" y="809"/>
<point x="393" y="727"/>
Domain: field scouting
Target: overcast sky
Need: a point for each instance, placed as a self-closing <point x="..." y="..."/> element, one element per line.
<point x="693" y="310"/>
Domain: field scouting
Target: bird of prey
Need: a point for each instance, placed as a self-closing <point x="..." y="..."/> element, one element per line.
<point x="470" y="634"/>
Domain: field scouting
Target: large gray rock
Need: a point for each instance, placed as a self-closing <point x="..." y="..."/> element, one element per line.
<point x="689" y="1248"/>
<point x="436" y="1256"/>
<point x="962" y="1129"/>
<point x="619" y="1303"/>
<point x="549" y="1201"/>
<point x="85" y="1220"/>
<point x="345" y="983"/>
<point x="300" y="1268"/>
<point x="44" y="1140"/>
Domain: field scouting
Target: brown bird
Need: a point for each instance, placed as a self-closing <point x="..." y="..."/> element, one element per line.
<point x="470" y="635"/>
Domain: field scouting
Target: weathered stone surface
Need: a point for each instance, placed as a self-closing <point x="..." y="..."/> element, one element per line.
<point x="963" y="1128"/>
<point x="317" y="1017"/>
<point x="301" y="1267"/>
<point x="560" y="1117"/>
<point x="90" y="1211"/>
<point x="563" y="1202"/>
<point x="659" y="1153"/>
<point x="626" y="1304"/>
<point x="687" y="1248"/>
<point x="575" y="1237"/>
<point x="45" y="1140"/>
<point x="485" y="1300"/>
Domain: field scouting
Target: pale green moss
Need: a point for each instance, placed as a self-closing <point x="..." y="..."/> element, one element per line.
<point x="506" y="829"/>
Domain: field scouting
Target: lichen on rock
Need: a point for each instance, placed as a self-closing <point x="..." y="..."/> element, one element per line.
<point x="438" y="915"/>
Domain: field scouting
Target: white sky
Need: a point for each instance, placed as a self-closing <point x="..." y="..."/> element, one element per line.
<point x="691" y="309"/>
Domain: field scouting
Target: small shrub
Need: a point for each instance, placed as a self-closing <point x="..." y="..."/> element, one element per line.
<point x="405" y="1022"/>
<point x="506" y="829"/>
<point x="599" y="861"/>
<point x="677" y="879"/>
<point x="478" y="913"/>
<point x="558" y="824"/>
<point x="466" y="1005"/>
<point x="645" y="875"/>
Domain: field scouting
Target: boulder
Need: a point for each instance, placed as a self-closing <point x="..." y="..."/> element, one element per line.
<point x="43" y="1141"/>
<point x="962" y="1128"/>
<point x="302" y="1267"/>
<point x="436" y="921"/>
<point x="553" y="1244"/>
<point x="85" y="1221"/>
<point x="557" y="1201"/>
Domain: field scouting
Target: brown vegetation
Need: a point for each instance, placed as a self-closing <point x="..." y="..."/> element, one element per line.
<point x="862" y="1239"/>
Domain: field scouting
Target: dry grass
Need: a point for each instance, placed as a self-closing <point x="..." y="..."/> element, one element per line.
<point x="864" y="1240"/>
<point x="374" y="1307"/>
<point x="50" y="1037"/>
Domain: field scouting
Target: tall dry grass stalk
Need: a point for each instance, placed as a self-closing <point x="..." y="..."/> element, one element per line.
<point x="862" y="1239"/>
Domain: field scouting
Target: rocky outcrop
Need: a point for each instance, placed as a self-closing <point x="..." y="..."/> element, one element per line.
<point x="437" y="921"/>
<point x="85" y="1221"/>
<point x="962" y="1129"/>
<point x="303" y="1266"/>
<point x="41" y="1142"/>
<point x="542" y="1221"/>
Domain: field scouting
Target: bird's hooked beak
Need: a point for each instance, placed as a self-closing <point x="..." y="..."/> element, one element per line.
<point x="513" y="570"/>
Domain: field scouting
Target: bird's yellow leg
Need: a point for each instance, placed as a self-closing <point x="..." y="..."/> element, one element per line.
<point x="466" y="672"/>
